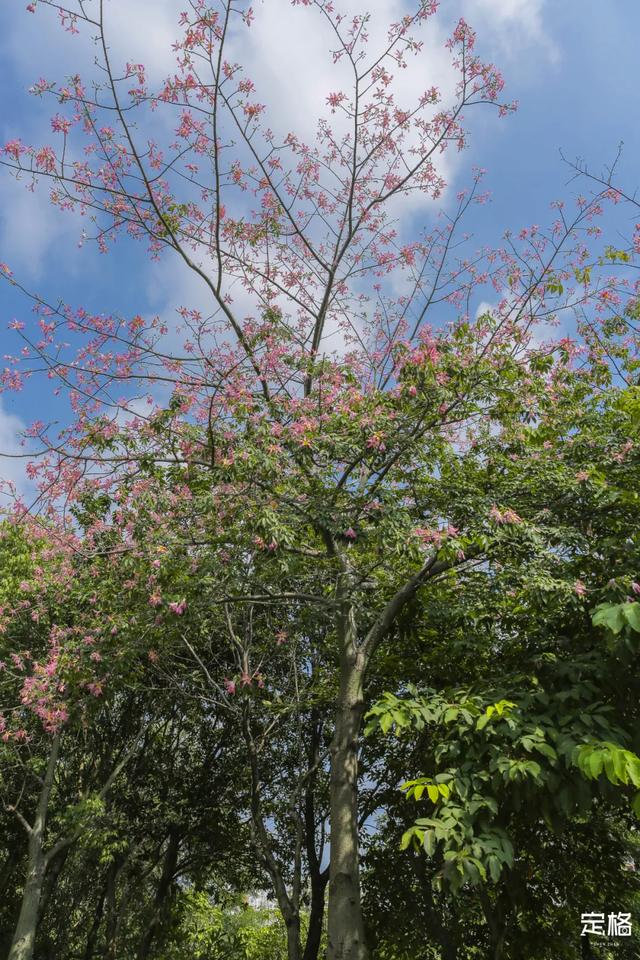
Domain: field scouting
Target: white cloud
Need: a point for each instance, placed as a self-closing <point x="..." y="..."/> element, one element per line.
<point x="287" y="52"/>
<point x="31" y="229"/>
<point x="515" y="27"/>
<point x="12" y="460"/>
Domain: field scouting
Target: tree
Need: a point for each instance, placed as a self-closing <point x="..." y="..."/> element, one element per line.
<point x="301" y="479"/>
<point x="530" y="750"/>
<point x="99" y="780"/>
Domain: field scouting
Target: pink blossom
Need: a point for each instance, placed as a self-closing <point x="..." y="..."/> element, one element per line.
<point x="635" y="586"/>
<point x="335" y="99"/>
<point x="350" y="534"/>
<point x="504" y="516"/>
<point x="18" y="662"/>
<point x="178" y="608"/>
<point x="60" y="124"/>
<point x="14" y="148"/>
<point x="376" y="442"/>
<point x="429" y="536"/>
<point x="229" y="686"/>
<point x="579" y="588"/>
<point x="155" y="600"/>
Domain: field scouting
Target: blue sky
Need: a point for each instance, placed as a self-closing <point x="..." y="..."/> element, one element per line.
<point x="572" y="64"/>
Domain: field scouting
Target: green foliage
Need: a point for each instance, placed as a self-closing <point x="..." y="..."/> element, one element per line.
<point x="533" y="755"/>
<point x="205" y="931"/>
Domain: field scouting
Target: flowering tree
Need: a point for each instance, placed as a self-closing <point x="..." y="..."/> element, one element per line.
<point x="300" y="476"/>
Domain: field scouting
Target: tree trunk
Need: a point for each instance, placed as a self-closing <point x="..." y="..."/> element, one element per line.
<point x="431" y="915"/>
<point x="92" y="937"/>
<point x="162" y="891"/>
<point x="345" y="923"/>
<point x="317" y="876"/>
<point x="585" y="948"/>
<point x="316" y="917"/>
<point x="496" y="922"/>
<point x="24" y="938"/>
<point x="289" y="906"/>
<point x="292" y="925"/>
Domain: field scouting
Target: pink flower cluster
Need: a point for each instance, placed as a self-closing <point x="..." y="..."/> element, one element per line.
<point x="504" y="516"/>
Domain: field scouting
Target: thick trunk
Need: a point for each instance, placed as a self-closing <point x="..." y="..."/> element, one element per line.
<point x="345" y="924"/>
<point x="24" y="938"/>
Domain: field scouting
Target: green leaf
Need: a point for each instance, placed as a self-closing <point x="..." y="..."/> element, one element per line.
<point x="631" y="613"/>
<point x="610" y="616"/>
<point x="386" y="722"/>
<point x="595" y="763"/>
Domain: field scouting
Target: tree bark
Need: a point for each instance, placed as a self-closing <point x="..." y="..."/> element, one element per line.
<point x="111" y="926"/>
<point x="316" y="916"/>
<point x="24" y="938"/>
<point x="164" y="885"/>
<point x="318" y="877"/>
<point x="346" y="939"/>
<point x="92" y="937"/>
<point x="496" y="923"/>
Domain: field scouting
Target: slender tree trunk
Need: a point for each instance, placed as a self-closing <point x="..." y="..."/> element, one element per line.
<point x="289" y="905"/>
<point x="24" y="938"/>
<point x="585" y="948"/>
<point x="164" y="885"/>
<point x="92" y="938"/>
<point x="497" y="926"/>
<point x="111" y="925"/>
<point x="431" y="914"/>
<point x="316" y="917"/>
<point x="318" y="877"/>
<point x="345" y="923"/>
